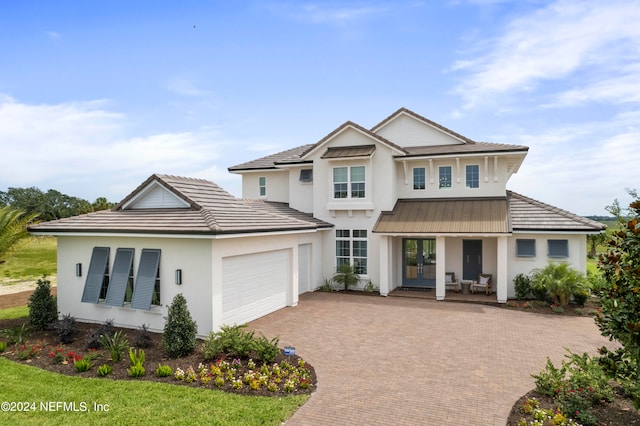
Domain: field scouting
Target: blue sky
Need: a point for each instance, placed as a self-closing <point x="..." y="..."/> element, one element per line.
<point x="97" y="96"/>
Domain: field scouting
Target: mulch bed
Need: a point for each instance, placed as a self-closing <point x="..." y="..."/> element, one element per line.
<point x="154" y="355"/>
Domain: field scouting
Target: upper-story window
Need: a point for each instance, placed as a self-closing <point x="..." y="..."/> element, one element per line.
<point x="444" y="175"/>
<point x="473" y="176"/>
<point x="419" y="178"/>
<point x="262" y="186"/>
<point x="349" y="182"/>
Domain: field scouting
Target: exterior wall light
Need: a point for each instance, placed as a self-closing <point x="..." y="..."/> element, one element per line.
<point x="179" y="276"/>
<point x="78" y="269"/>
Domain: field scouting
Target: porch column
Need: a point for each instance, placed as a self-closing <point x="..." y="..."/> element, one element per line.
<point x="501" y="279"/>
<point x="440" y="268"/>
<point x="384" y="265"/>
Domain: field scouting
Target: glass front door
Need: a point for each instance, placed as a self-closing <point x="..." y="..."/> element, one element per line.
<point x="419" y="259"/>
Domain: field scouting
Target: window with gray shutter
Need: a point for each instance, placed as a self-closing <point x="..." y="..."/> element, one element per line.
<point x="145" y="283"/>
<point x="526" y="248"/>
<point x="119" y="276"/>
<point x="98" y="273"/>
<point x="558" y="248"/>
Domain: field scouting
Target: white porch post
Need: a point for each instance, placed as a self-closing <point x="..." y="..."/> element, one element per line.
<point x="292" y="297"/>
<point x="501" y="279"/>
<point x="384" y="265"/>
<point x="440" y="268"/>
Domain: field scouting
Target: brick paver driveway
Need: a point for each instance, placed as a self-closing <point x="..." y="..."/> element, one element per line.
<point x="397" y="361"/>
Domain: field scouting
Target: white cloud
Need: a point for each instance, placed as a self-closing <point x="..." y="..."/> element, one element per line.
<point x="185" y="87"/>
<point x="557" y="41"/>
<point x="336" y="15"/>
<point x="82" y="149"/>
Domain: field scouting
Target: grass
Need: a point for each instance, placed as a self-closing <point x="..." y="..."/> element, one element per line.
<point x="129" y="402"/>
<point x="13" y="313"/>
<point x="133" y="402"/>
<point x="35" y="257"/>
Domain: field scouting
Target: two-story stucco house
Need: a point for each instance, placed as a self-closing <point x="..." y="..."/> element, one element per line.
<point x="407" y="203"/>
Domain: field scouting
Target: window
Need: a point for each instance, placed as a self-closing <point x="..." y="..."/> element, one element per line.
<point x="526" y="248"/>
<point x="445" y="176"/>
<point x="473" y="176"/>
<point x="558" y="248"/>
<point x="97" y="282"/>
<point x="351" y="248"/>
<point x="306" y="175"/>
<point x="349" y="182"/>
<point x="419" y="178"/>
<point x="262" y="186"/>
<point x="146" y="289"/>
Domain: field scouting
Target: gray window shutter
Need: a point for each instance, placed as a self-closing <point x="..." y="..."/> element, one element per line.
<point x="119" y="277"/>
<point x="96" y="274"/>
<point x="145" y="279"/>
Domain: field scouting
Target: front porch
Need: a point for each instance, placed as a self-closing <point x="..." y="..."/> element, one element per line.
<point x="451" y="296"/>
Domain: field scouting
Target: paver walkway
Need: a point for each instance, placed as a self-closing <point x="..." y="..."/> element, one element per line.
<point x="399" y="361"/>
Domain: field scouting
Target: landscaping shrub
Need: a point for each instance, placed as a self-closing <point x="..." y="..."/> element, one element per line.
<point x="231" y="341"/>
<point x="179" y="337"/>
<point x="164" y="371"/>
<point x="43" y="307"/>
<point x="65" y="327"/>
<point x="106" y="329"/>
<point x="17" y="335"/>
<point x="346" y="275"/>
<point x="115" y="344"/>
<point x="143" y="339"/>
<point x="266" y="349"/>
<point x="104" y="370"/>
<point x="3" y="346"/>
<point x="560" y="281"/>
<point x="522" y="285"/>
<point x="137" y="360"/>
<point x="82" y="365"/>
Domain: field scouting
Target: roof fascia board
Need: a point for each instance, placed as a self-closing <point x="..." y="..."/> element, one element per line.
<point x="557" y="231"/>
<point x="466" y="154"/>
<point x="199" y="236"/>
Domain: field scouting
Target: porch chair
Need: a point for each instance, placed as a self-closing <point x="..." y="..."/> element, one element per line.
<point x="451" y="283"/>
<point x="484" y="281"/>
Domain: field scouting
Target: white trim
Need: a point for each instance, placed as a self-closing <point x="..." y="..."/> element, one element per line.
<point x="174" y="236"/>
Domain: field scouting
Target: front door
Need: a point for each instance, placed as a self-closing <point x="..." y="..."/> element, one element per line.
<point x="471" y="259"/>
<point x="419" y="260"/>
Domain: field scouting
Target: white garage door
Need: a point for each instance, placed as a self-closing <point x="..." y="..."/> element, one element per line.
<point x="254" y="285"/>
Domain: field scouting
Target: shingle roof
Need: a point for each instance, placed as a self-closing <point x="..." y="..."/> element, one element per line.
<point x="290" y="156"/>
<point x="212" y="211"/>
<point x="528" y="214"/>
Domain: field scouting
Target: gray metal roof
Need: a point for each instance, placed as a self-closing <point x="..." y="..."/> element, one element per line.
<point x="514" y="213"/>
<point x="446" y="216"/>
<point x="349" y="151"/>
<point x="212" y="211"/>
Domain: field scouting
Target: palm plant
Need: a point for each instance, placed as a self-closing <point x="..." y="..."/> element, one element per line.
<point x="346" y="275"/>
<point x="560" y="280"/>
<point x="13" y="228"/>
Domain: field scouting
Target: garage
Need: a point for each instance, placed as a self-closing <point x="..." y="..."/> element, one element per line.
<point x="254" y="285"/>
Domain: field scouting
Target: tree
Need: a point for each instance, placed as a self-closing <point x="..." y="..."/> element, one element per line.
<point x="179" y="336"/>
<point x="593" y="240"/>
<point x="620" y="292"/>
<point x="13" y="228"/>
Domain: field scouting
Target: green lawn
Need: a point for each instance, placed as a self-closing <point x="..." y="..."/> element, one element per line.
<point x="32" y="259"/>
<point x="12" y="313"/>
<point x="130" y="402"/>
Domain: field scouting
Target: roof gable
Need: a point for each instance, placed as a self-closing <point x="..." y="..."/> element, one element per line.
<point x="408" y="129"/>
<point x="155" y="196"/>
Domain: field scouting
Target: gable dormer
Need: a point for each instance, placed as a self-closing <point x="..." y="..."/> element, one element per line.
<point x="408" y="129"/>
<point x="153" y="195"/>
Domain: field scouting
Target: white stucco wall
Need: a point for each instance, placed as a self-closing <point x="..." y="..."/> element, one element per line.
<point x="190" y="255"/>
<point x="277" y="185"/>
<point x="300" y="193"/>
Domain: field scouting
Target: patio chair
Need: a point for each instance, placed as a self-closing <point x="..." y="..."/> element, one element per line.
<point x="451" y="283"/>
<point x="484" y="281"/>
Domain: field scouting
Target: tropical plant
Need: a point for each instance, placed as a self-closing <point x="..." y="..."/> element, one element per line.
<point x="231" y="341"/>
<point x="104" y="370"/>
<point x="95" y="335"/>
<point x="164" y="371"/>
<point x="346" y="275"/>
<point x="620" y="293"/>
<point x="115" y="344"/>
<point x="179" y="337"/>
<point x="82" y="365"/>
<point x="17" y="335"/>
<point x="43" y="307"/>
<point x="65" y="327"/>
<point x="266" y="349"/>
<point x="13" y="228"/>
<point x="560" y="280"/>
